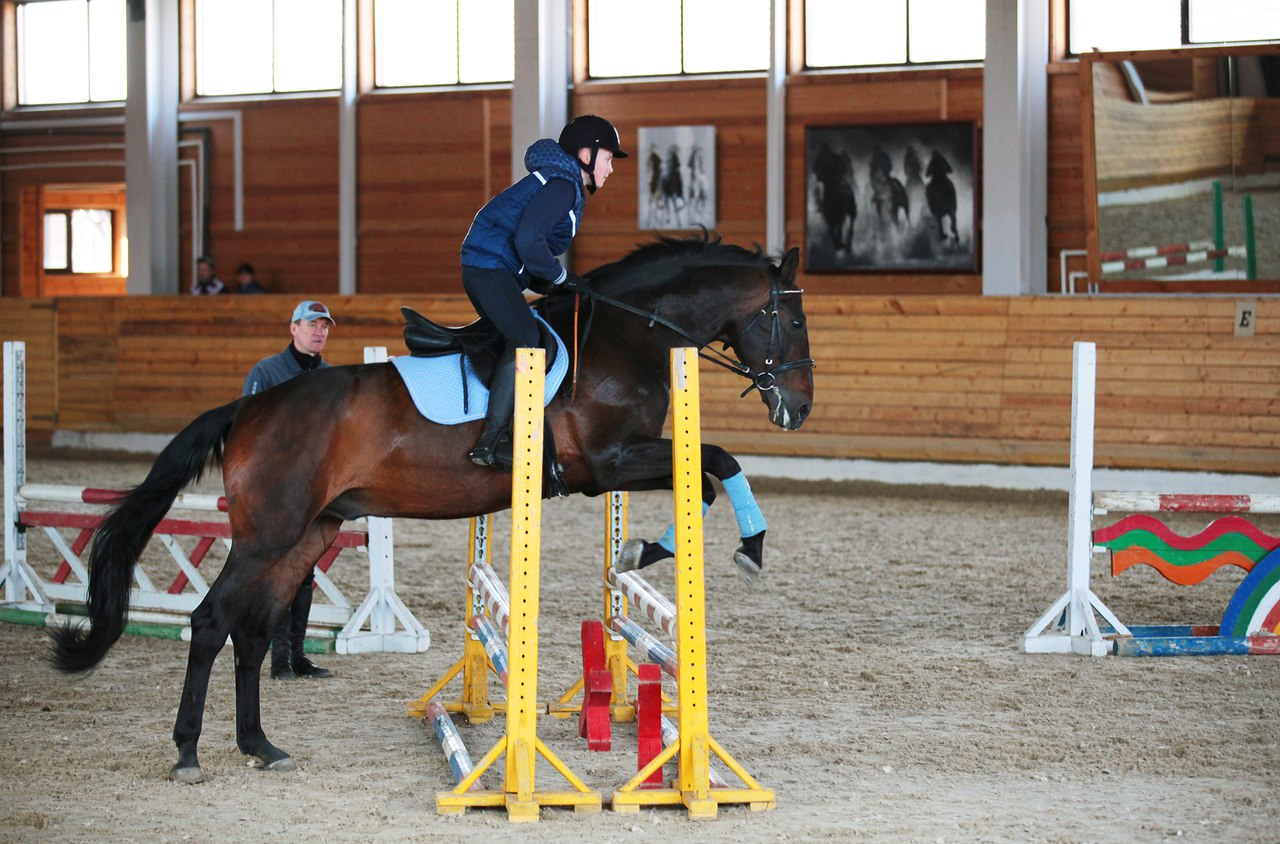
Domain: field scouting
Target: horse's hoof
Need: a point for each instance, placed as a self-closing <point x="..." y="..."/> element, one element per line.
<point x="284" y="766"/>
<point x="747" y="567"/>
<point x="629" y="556"/>
<point x="188" y="776"/>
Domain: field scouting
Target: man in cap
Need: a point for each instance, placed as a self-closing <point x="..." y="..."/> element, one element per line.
<point x="310" y="329"/>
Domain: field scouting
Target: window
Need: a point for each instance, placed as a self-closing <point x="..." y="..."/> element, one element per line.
<point x="443" y="43"/>
<point x="1160" y="24"/>
<point x="78" y="240"/>
<point x="669" y="37"/>
<point x="71" y="51"/>
<point x="268" y="46"/>
<point x="860" y="33"/>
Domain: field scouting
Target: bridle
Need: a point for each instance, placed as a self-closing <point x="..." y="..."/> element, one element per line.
<point x="764" y="379"/>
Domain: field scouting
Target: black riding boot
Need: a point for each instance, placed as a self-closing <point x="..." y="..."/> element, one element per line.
<point x="281" y="658"/>
<point x="298" y="615"/>
<point x="497" y="420"/>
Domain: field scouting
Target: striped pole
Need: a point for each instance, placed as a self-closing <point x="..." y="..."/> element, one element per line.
<point x="492" y="594"/>
<point x="450" y="741"/>
<point x="1159" y="502"/>
<point x="655" y="606"/>
<point x="1215" y="255"/>
<point x="655" y="650"/>
<point x="494" y="646"/>
<point x="1156" y="251"/>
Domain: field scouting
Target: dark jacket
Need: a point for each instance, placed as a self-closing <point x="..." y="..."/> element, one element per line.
<point x="277" y="369"/>
<point x="499" y="237"/>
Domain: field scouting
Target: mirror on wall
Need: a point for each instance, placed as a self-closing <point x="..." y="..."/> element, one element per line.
<point x="1186" y="170"/>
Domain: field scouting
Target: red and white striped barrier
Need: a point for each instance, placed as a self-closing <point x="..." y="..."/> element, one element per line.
<point x="1156" y="251"/>
<point x="1172" y="260"/>
<point x="380" y="623"/>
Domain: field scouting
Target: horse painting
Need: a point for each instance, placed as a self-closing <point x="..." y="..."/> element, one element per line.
<point x="940" y="193"/>
<point x="887" y="193"/>
<point x="347" y="441"/>
<point x="833" y="173"/>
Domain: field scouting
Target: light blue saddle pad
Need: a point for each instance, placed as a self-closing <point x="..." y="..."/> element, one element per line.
<point x="436" y="384"/>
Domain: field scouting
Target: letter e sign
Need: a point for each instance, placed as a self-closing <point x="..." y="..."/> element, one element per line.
<point x="1246" y="316"/>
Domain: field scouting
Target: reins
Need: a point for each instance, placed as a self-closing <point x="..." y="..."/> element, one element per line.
<point x="763" y="380"/>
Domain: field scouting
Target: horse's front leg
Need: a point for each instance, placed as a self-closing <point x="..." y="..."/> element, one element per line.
<point x="648" y="467"/>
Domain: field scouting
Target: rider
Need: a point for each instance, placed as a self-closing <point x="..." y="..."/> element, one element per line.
<point x="513" y="244"/>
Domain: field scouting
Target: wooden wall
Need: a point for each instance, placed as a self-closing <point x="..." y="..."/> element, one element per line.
<point x="944" y="378"/>
<point x="427" y="161"/>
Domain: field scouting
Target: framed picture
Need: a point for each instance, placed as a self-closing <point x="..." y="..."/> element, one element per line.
<point x="894" y="198"/>
<point x="677" y="177"/>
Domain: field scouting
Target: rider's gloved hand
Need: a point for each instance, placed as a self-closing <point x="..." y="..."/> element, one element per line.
<point x="574" y="284"/>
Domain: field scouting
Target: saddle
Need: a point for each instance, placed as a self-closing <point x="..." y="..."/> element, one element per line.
<point x="481" y="344"/>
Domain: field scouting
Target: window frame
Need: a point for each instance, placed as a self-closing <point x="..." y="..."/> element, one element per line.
<point x="189" y="38"/>
<point x="582" y="23"/>
<point x="70" y="270"/>
<point x="12" y="64"/>
<point x="369" y="46"/>
<point x="801" y="45"/>
<point x="1184" y="27"/>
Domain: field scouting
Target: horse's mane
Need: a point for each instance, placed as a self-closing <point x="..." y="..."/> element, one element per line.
<point x="655" y="263"/>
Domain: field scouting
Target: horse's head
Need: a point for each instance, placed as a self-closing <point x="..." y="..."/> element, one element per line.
<point x="773" y="344"/>
<point x="938" y="166"/>
<point x="702" y="291"/>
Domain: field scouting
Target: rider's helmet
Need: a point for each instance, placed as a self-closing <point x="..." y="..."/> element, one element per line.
<point x="593" y="133"/>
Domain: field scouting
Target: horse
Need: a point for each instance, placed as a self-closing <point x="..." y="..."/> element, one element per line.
<point x="698" y="182"/>
<point x="887" y="193"/>
<point x="673" y="185"/>
<point x="913" y="176"/>
<point x="941" y="194"/>
<point x="654" y="165"/>
<point x="345" y="442"/>
<point x="834" y="193"/>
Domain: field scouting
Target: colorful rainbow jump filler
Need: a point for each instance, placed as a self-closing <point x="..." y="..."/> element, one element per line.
<point x="1250" y="624"/>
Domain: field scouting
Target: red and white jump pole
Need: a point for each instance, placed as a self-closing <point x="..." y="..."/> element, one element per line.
<point x="380" y="623"/>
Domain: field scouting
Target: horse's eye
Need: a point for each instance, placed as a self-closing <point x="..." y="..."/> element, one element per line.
<point x="797" y="323"/>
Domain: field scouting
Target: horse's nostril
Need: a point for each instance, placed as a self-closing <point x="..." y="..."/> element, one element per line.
<point x="804" y="412"/>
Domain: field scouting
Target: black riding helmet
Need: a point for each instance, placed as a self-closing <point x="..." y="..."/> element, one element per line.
<point x="594" y="133"/>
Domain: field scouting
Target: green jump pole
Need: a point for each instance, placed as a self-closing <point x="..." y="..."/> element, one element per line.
<point x="1250" y="253"/>
<point x="1218" y="240"/>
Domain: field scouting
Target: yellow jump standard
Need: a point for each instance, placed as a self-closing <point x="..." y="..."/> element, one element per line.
<point x="520" y="744"/>
<point x="692" y="786"/>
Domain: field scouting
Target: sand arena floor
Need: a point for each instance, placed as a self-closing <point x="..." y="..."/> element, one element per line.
<point x="871" y="678"/>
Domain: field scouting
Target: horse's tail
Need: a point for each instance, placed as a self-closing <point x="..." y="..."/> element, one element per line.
<point x="121" y="536"/>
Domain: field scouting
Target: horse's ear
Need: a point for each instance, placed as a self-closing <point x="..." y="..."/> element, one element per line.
<point x="790" y="263"/>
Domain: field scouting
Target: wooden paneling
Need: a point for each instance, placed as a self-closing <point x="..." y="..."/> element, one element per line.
<point x="944" y="378"/>
<point x="34" y="322"/>
<point x="428" y="161"/>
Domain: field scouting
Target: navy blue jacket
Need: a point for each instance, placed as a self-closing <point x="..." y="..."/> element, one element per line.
<point x="524" y="228"/>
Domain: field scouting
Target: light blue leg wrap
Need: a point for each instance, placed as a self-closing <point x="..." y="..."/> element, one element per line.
<point x="668" y="539"/>
<point x="750" y="519"/>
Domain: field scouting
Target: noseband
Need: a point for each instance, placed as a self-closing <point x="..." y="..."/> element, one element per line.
<point x="764" y="379"/>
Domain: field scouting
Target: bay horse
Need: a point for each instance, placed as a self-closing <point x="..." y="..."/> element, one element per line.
<point x="345" y="442"/>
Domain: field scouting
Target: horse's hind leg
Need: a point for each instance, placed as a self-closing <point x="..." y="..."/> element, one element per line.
<point x="211" y="622"/>
<point x="252" y="635"/>
<point x="250" y="649"/>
